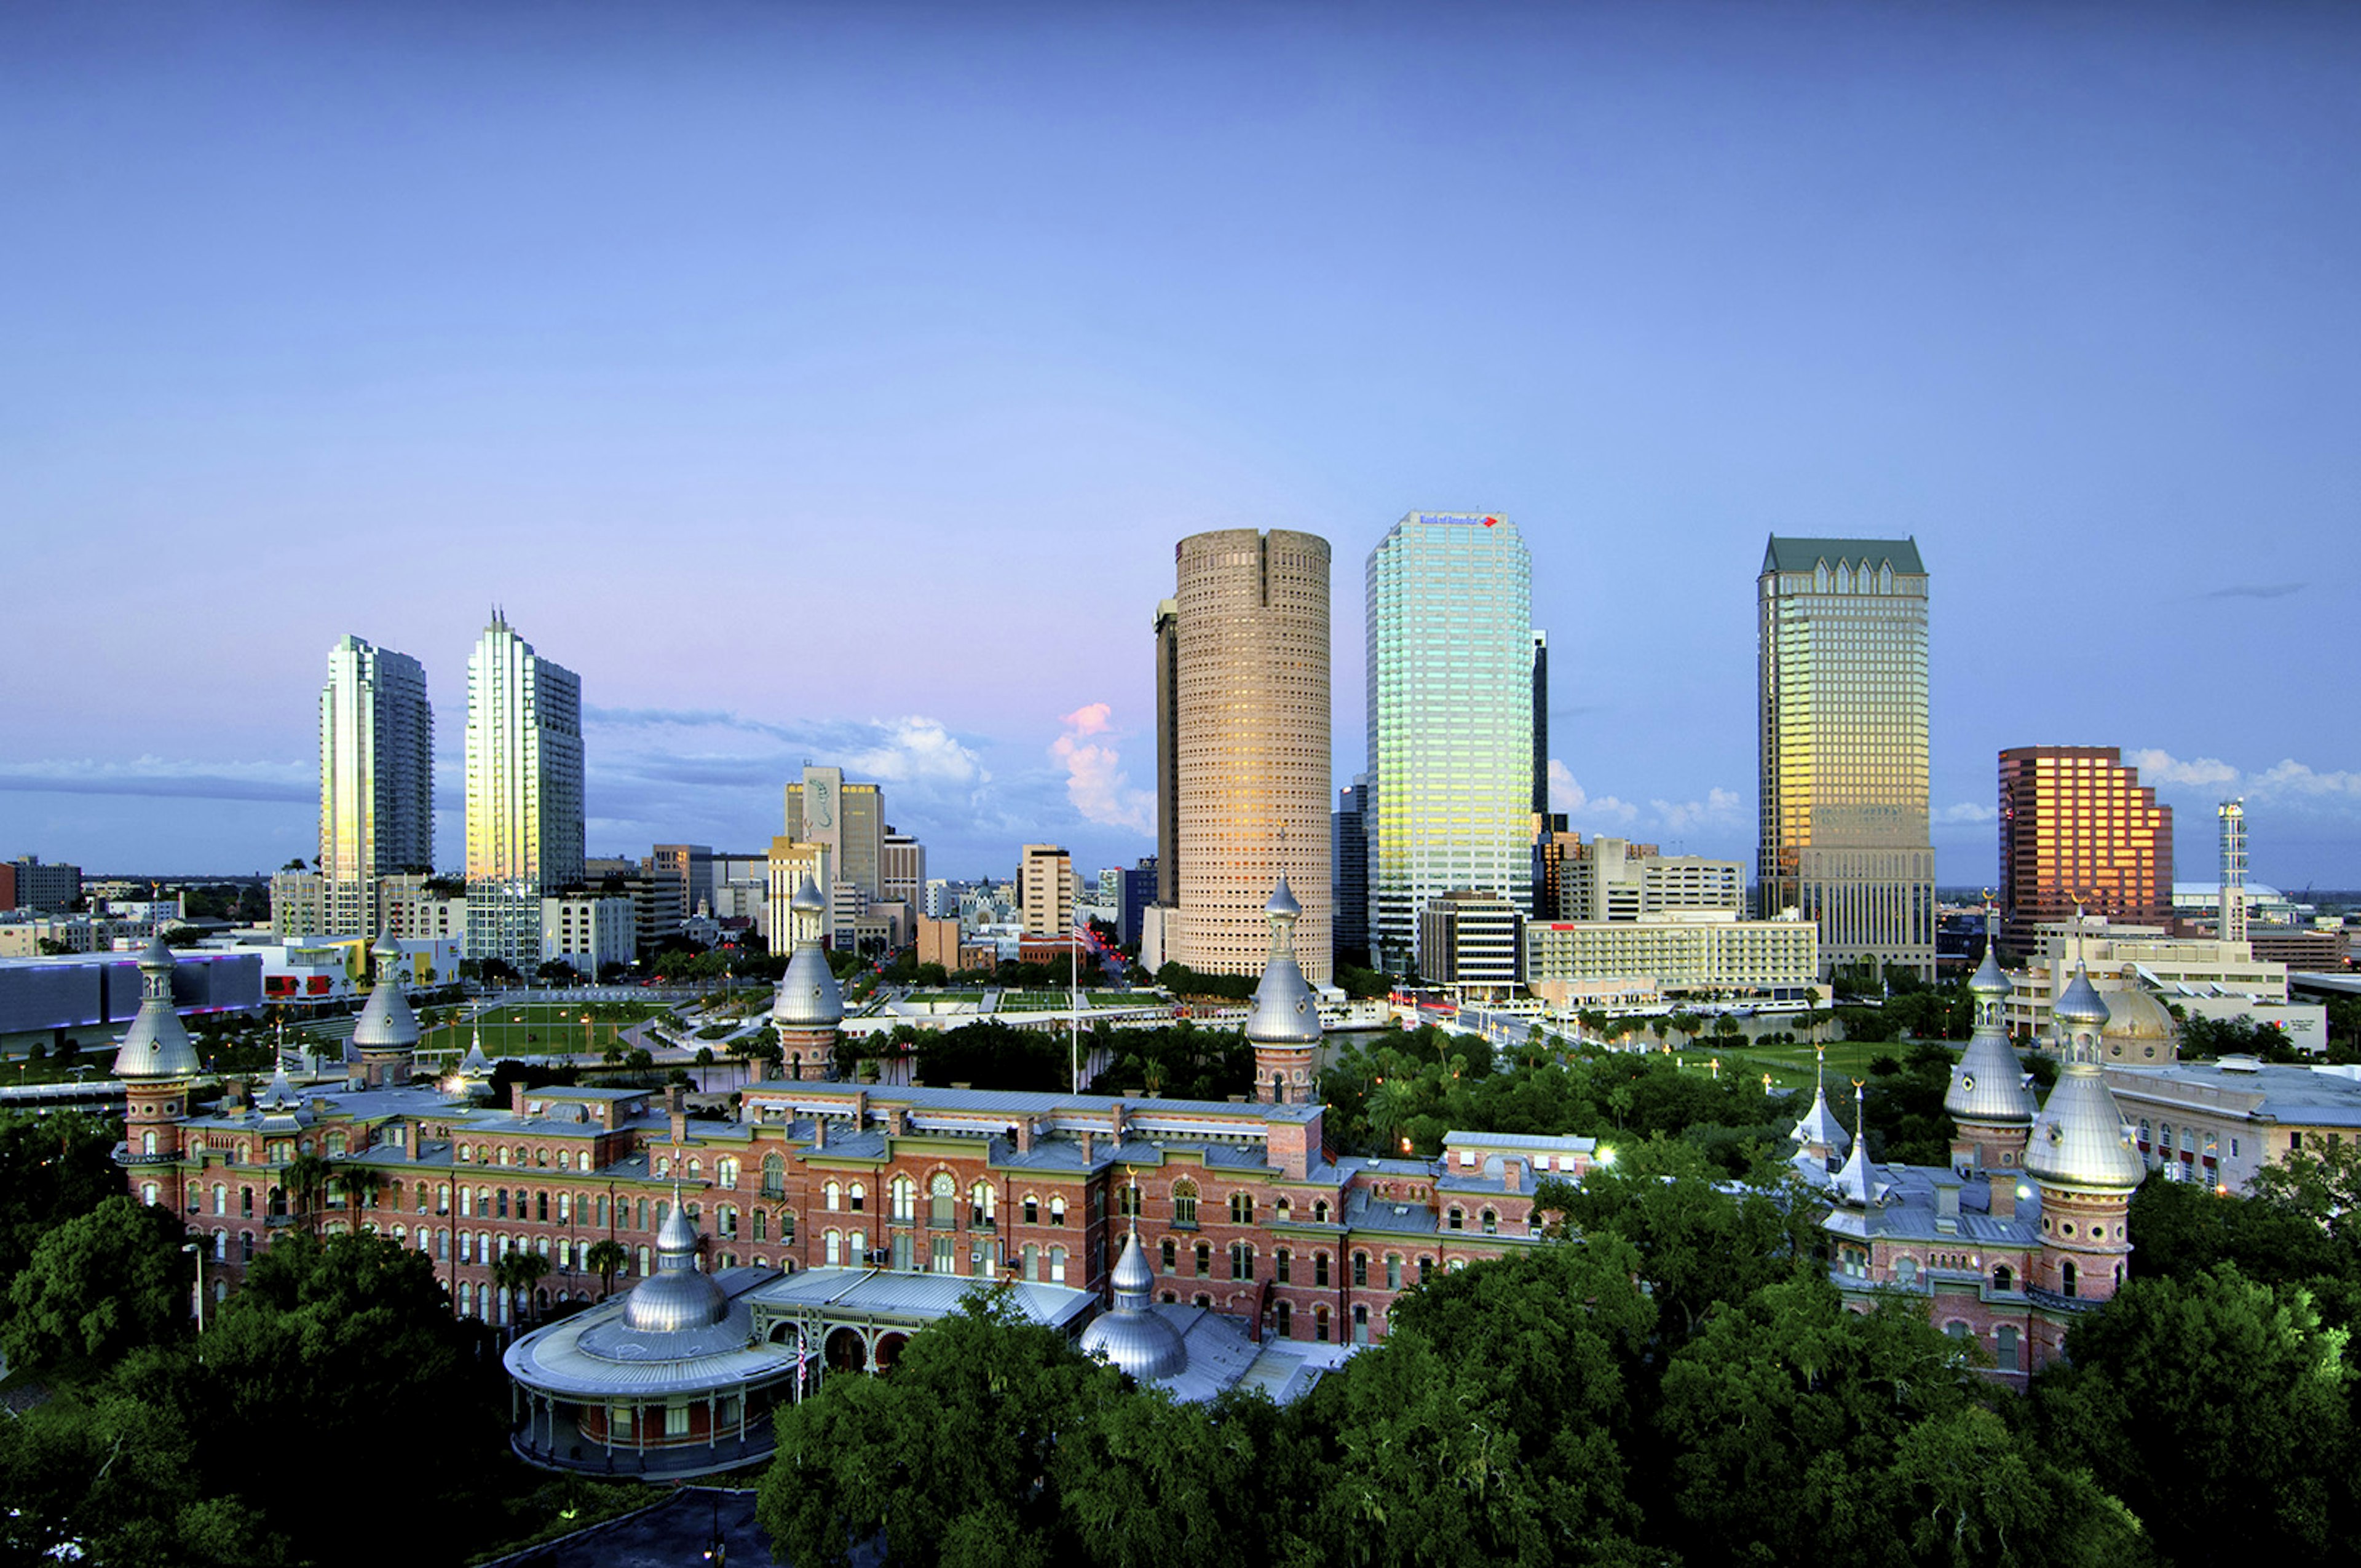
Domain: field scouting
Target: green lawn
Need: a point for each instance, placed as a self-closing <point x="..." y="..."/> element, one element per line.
<point x="1791" y="1065"/>
<point x="1034" y="1000"/>
<point x="515" y="1029"/>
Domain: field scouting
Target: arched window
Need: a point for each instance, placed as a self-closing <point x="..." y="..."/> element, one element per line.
<point x="1491" y="1222"/>
<point x="857" y="1196"/>
<point x="504" y="1159"/>
<point x="245" y="1246"/>
<point x="1056" y="1266"/>
<point x="1127" y="1201"/>
<point x="942" y="1200"/>
<point x="1360" y="1270"/>
<point x="1204" y="1259"/>
<point x="1906" y="1271"/>
<point x="1168" y="1254"/>
<point x="2003" y="1280"/>
<point x="221" y="1246"/>
<point x="2066" y="1277"/>
<point x="902" y="1197"/>
<point x="1184" y="1202"/>
<point x="725" y="1171"/>
<point x="832" y="1197"/>
<point x="1320" y="1324"/>
<point x="2004" y="1347"/>
<point x="221" y="1198"/>
<point x="1360" y="1325"/>
<point x="1057" y="1211"/>
<point x="761" y="1225"/>
<point x="1286" y="1210"/>
<point x="245" y="1202"/>
<point x="1241" y="1209"/>
<point x="1032" y="1260"/>
<point x="148" y="1147"/>
<point x="1393" y="1271"/>
<point x="981" y="1203"/>
<point x="726" y="1220"/>
<point x="1285" y="1320"/>
<point x="540" y="1206"/>
<point x="1280" y="1262"/>
<point x="1320" y="1268"/>
<point x="336" y="1145"/>
<point x="832" y="1249"/>
<point x="1456" y="1220"/>
<point x="1320" y="1213"/>
<point x="1241" y="1261"/>
<point x="774" y="1176"/>
<point x="503" y="1201"/>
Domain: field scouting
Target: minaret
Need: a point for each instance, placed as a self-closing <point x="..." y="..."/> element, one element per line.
<point x="1988" y="1102"/>
<point x="810" y="1004"/>
<point x="1820" y="1134"/>
<point x="387" y="1034"/>
<point x="157" y="1064"/>
<point x="1284" y="1027"/>
<point x="2082" y="1155"/>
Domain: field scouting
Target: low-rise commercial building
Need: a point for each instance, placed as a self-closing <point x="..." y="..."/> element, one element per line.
<point x="2203" y="974"/>
<point x="2219" y="1123"/>
<point x="1699" y="955"/>
<point x="587" y="931"/>
<point x="1611" y="879"/>
<point x="1469" y="940"/>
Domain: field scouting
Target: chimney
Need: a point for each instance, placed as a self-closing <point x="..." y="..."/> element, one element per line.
<point x="232" y="1096"/>
<point x="1025" y="1135"/>
<point x="758" y="1069"/>
<point x="1946" y="1208"/>
<point x="1086" y="1135"/>
<point x="516" y="1099"/>
<point x="819" y="1133"/>
<point x="1114" y="1121"/>
<point x="859" y="1109"/>
<point x="676" y="1106"/>
<point x="1512" y="1175"/>
<point x="897" y="1121"/>
<point x="2003" y="1185"/>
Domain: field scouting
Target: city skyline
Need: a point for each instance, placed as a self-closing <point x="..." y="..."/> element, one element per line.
<point x="1803" y="279"/>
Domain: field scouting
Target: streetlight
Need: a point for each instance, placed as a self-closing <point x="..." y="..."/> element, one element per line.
<point x="194" y="1250"/>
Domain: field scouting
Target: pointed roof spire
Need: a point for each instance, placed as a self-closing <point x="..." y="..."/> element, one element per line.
<point x="1820" y="1127"/>
<point x="1854" y="1184"/>
<point x="157" y="1045"/>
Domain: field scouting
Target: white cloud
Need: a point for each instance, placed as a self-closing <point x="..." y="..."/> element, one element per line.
<point x="918" y="750"/>
<point x="1719" y="806"/>
<point x="2162" y="767"/>
<point x="1096" y="783"/>
<point x="2289" y="777"/>
<point x="1566" y="794"/>
<point x="1966" y="811"/>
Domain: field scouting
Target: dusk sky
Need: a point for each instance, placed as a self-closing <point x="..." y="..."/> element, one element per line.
<point x="833" y="383"/>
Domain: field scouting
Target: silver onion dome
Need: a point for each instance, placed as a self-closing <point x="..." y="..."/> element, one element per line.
<point x="1285" y="1012"/>
<point x="1988" y="1082"/>
<point x="676" y="1297"/>
<point x="2080" y="1004"/>
<point x="387" y="1024"/>
<point x="1990" y="978"/>
<point x="1134" y="1336"/>
<point x="808" y="996"/>
<point x="156" y="1044"/>
<point x="2080" y="1139"/>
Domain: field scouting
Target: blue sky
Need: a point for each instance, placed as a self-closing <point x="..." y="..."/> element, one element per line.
<point x="833" y="382"/>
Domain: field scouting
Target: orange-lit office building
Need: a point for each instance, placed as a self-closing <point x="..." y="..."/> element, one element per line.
<point x="2077" y="827"/>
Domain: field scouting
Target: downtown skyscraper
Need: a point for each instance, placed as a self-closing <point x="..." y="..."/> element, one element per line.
<point x="1843" y="819"/>
<point x="1451" y="686"/>
<point x="1243" y="718"/>
<point x="524" y="792"/>
<point x="377" y="780"/>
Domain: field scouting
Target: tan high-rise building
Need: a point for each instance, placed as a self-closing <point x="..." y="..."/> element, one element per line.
<point x="1843" y="813"/>
<point x="2079" y="830"/>
<point x="1045" y="890"/>
<point x="1251" y="768"/>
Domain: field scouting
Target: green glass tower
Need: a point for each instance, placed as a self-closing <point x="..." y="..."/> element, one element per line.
<point x="1451" y="718"/>
<point x="1844" y="824"/>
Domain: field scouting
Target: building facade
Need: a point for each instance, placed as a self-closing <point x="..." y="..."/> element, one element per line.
<point x="1451" y="697"/>
<point x="587" y="931"/>
<point x="1045" y="890"/>
<point x="1697" y="955"/>
<point x="524" y="792"/>
<point x="902" y="870"/>
<point x="1349" y="868"/>
<point x="377" y="780"/>
<point x="691" y="867"/>
<point x="49" y="887"/>
<point x="2078" y="830"/>
<point x="1249" y="642"/>
<point x="1474" y="940"/>
<point x="1843" y="811"/>
<point x="848" y="821"/>
<point x="1612" y="879"/>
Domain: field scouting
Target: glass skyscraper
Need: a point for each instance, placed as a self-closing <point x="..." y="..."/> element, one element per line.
<point x="1450" y="720"/>
<point x="377" y="780"/>
<point x="1843" y="813"/>
<point x="524" y="792"/>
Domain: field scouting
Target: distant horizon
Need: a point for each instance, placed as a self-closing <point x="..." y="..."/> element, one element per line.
<point x="836" y="385"/>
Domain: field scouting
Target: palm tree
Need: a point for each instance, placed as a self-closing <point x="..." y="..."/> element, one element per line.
<point x="358" y="1186"/>
<point x="515" y="1273"/>
<point x="306" y="1181"/>
<point x="608" y="1258"/>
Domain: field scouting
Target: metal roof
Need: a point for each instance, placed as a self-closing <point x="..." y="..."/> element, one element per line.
<point x="1798" y="554"/>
